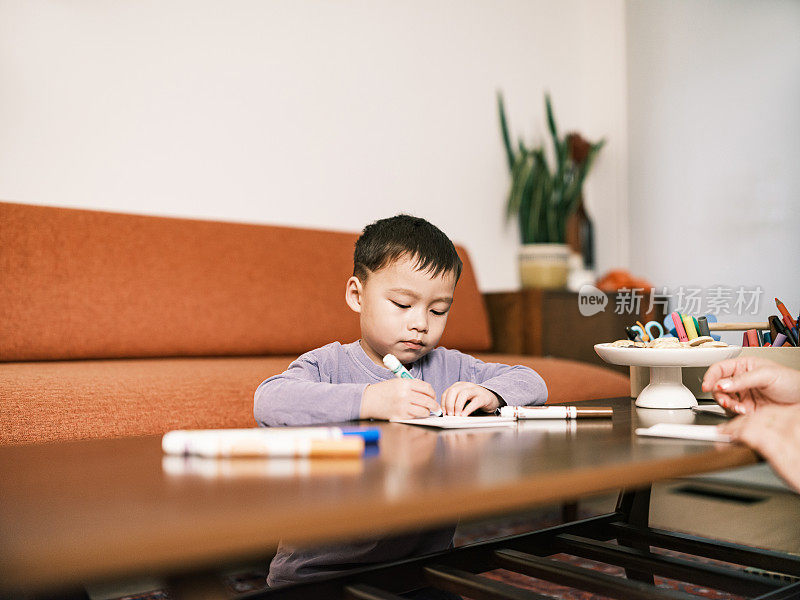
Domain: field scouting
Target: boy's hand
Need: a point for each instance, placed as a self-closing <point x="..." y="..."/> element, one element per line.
<point x="462" y="399"/>
<point x="398" y="399"/>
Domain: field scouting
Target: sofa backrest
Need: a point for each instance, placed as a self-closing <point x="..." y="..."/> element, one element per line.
<point x="81" y="284"/>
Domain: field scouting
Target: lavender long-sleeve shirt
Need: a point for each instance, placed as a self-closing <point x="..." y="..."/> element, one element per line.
<point x="326" y="386"/>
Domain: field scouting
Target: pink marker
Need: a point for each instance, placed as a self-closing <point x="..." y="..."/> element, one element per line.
<point x="678" y="322"/>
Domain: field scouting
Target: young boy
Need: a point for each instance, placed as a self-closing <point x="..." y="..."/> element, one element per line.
<point x="404" y="278"/>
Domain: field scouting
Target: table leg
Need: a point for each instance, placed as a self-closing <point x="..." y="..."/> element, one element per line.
<point x="198" y="586"/>
<point x="569" y="512"/>
<point x="77" y="593"/>
<point x="634" y="507"/>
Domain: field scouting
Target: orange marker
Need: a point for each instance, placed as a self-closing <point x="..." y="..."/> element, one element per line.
<point x="786" y="314"/>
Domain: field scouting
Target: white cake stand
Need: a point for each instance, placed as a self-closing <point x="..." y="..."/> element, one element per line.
<point x="666" y="389"/>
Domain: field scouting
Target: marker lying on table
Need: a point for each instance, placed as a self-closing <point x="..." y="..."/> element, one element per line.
<point x="556" y="412"/>
<point x="269" y="441"/>
<point x="392" y="363"/>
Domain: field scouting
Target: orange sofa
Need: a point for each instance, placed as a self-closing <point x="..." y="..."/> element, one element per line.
<point x="117" y="325"/>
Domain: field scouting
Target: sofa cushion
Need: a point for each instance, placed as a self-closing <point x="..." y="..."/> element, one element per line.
<point x="86" y="284"/>
<point x="73" y="400"/>
<point x="569" y="380"/>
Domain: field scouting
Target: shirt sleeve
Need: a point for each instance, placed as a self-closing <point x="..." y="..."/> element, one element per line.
<point x="298" y="396"/>
<point x="516" y="385"/>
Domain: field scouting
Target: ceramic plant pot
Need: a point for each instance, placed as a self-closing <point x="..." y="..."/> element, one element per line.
<point x="544" y="265"/>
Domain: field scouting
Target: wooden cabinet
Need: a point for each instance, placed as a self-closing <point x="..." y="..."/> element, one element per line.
<point x="549" y="323"/>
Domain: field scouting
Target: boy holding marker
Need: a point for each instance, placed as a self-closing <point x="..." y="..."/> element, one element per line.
<point x="403" y="284"/>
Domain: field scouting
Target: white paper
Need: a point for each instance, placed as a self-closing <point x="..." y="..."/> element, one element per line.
<point x="453" y="422"/>
<point x="706" y="433"/>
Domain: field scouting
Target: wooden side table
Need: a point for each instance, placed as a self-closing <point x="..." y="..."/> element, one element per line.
<point x="549" y="323"/>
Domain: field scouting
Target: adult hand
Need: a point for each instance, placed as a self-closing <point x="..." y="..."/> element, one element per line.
<point x="774" y="432"/>
<point x="462" y="399"/>
<point x="398" y="399"/>
<point x="746" y="383"/>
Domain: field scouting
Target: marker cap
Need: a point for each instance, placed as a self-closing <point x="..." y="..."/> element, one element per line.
<point x="596" y="411"/>
<point x="370" y="436"/>
<point x="174" y="442"/>
<point x="702" y="325"/>
<point x="391" y="362"/>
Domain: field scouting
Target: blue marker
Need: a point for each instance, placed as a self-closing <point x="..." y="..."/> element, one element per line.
<point x="395" y="366"/>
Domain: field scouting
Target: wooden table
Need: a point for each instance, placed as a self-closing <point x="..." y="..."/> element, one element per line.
<point x="82" y="511"/>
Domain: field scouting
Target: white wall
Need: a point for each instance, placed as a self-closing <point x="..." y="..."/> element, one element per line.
<point x="308" y="112"/>
<point x="714" y="140"/>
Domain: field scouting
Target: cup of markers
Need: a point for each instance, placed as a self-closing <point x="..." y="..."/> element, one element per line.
<point x="778" y="331"/>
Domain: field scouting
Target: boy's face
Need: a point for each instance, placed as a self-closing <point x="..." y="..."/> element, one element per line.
<point x="403" y="310"/>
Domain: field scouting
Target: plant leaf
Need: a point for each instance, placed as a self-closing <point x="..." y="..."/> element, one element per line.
<point x="519" y="175"/>
<point x="528" y="200"/>
<point x="559" y="146"/>
<point x="551" y="122"/>
<point x="504" y="128"/>
<point x="539" y="198"/>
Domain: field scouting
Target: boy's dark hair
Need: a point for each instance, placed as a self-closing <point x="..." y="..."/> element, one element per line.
<point x="386" y="240"/>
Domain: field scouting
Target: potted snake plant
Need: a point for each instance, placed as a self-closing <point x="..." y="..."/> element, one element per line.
<point x="543" y="199"/>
